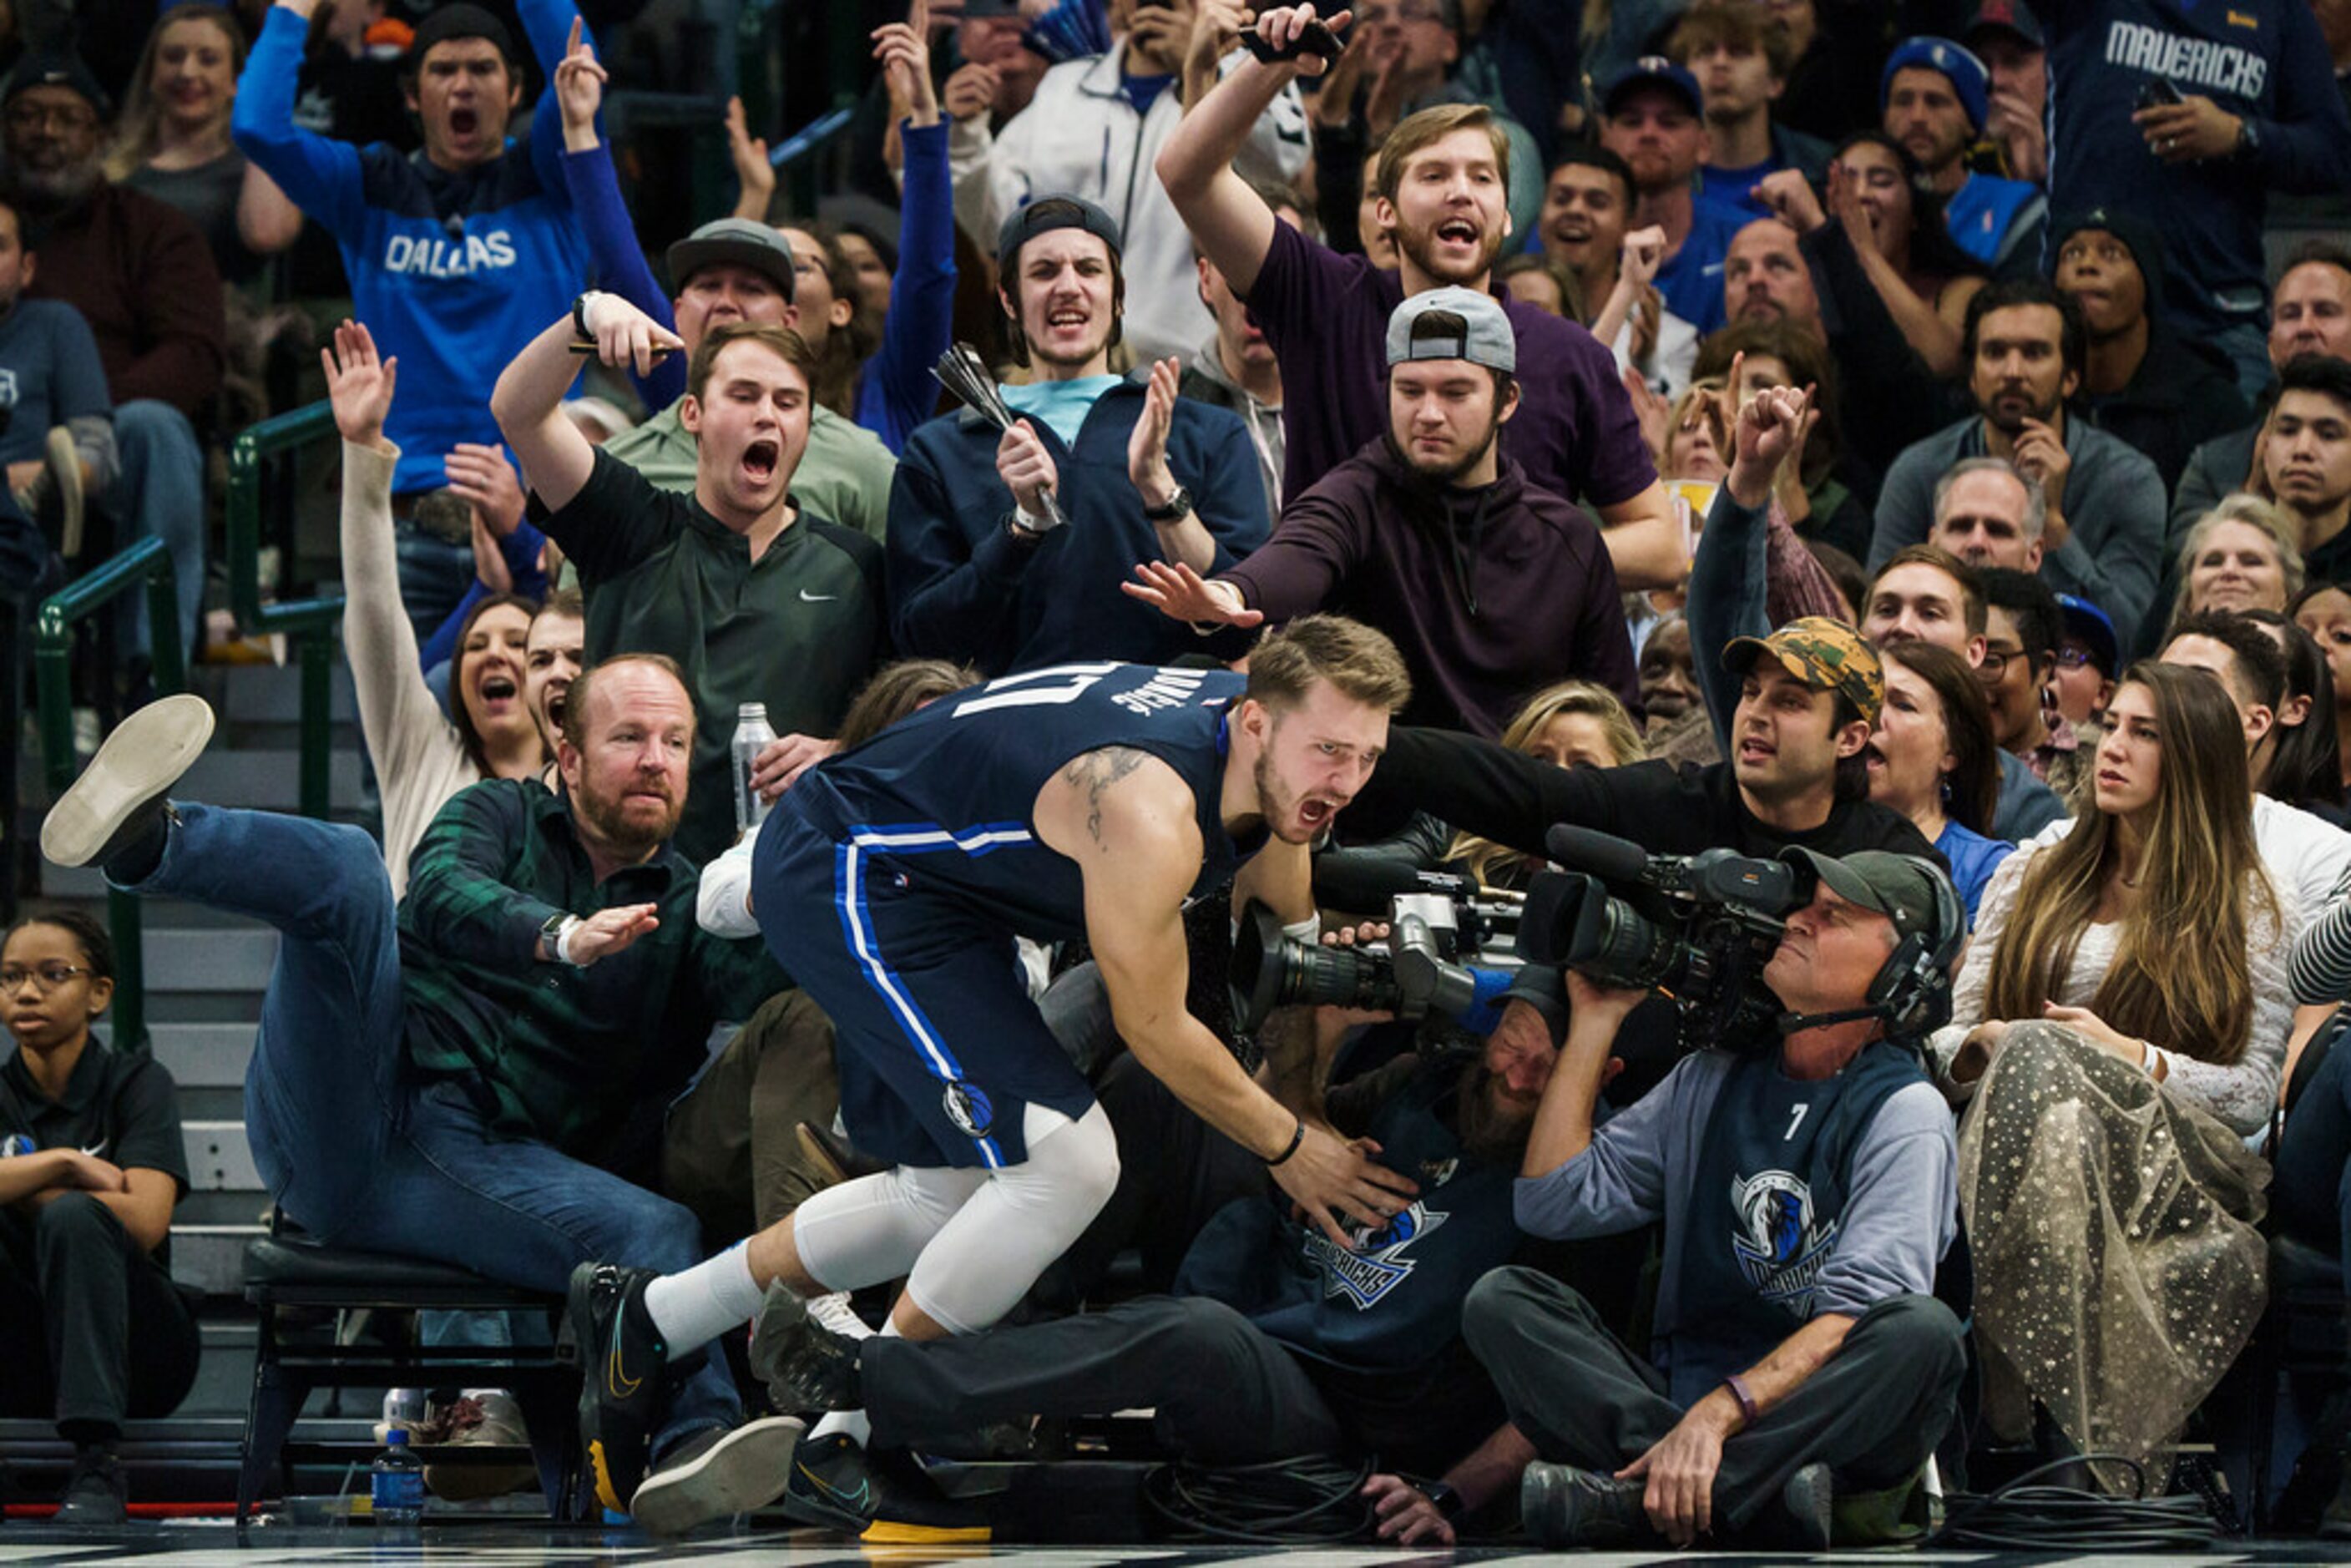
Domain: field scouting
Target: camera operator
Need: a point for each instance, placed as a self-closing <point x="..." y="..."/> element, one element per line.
<point x="1807" y="1186"/>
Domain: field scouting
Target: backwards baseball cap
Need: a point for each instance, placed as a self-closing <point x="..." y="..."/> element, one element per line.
<point x="1652" y="70"/>
<point x="460" y="21"/>
<point x="1543" y="988"/>
<point x="744" y="242"/>
<point x="1485" y="336"/>
<point x="1826" y="655"/>
<point x="1045" y="214"/>
<point x="1900" y="887"/>
<point x="56" y="68"/>
<point x="2088" y="624"/>
<point x="1967" y="76"/>
<point x="2006" y="17"/>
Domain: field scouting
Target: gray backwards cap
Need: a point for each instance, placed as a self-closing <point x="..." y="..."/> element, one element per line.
<point x="1486" y="338"/>
<point x="1047" y="214"/>
<point x="745" y="242"/>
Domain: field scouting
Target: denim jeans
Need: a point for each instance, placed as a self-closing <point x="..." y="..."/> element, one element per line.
<point x="354" y="1153"/>
<point x="160" y="493"/>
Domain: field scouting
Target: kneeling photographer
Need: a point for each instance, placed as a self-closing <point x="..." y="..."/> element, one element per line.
<point x="1275" y="1343"/>
<point x="1806" y="1178"/>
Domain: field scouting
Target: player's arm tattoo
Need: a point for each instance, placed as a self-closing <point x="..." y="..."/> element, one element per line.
<point x="1096" y="772"/>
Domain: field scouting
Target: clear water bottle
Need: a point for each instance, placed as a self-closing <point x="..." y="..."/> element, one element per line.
<point x="753" y="734"/>
<point x="396" y="1485"/>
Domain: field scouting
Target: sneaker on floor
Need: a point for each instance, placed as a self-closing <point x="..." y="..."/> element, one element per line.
<point x="119" y="796"/>
<point x="1562" y="1505"/>
<point x="718" y="1474"/>
<point x="492" y="1419"/>
<point x="884" y="1499"/>
<point x="805" y="1365"/>
<point x="622" y="1364"/>
<point x="94" y="1494"/>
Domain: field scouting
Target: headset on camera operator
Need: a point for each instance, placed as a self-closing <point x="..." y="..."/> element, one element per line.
<point x="1805" y="1176"/>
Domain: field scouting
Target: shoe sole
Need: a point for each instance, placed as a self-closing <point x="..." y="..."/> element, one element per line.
<point x="145" y="755"/>
<point x="784" y="1320"/>
<point x="747" y="1468"/>
<point x="891" y="1533"/>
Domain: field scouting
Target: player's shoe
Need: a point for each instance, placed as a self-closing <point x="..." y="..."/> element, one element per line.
<point x="888" y="1501"/>
<point x="622" y="1362"/>
<point x="805" y="1365"/>
<point x="717" y="1475"/>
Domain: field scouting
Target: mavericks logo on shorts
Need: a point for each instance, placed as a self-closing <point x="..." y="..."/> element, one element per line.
<point x="968" y="1108"/>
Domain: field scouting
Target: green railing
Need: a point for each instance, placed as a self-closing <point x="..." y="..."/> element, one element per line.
<point x="145" y="564"/>
<point x="309" y="623"/>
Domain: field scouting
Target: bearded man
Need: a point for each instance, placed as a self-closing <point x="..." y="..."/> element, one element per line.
<point x="1491" y="586"/>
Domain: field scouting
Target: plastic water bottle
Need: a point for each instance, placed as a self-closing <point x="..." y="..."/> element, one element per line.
<point x="396" y="1485"/>
<point x="753" y="734"/>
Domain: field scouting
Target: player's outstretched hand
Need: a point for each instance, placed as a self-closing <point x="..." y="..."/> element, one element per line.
<point x="1177" y="591"/>
<point x="1333" y="1182"/>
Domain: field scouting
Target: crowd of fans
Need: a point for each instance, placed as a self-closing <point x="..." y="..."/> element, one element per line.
<point x="1900" y="440"/>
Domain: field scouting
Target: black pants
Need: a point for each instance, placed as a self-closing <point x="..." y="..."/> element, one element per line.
<point x="94" y="1329"/>
<point x="1873" y="1414"/>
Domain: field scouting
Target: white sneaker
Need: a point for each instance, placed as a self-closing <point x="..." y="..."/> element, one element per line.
<point x="835" y="1314"/>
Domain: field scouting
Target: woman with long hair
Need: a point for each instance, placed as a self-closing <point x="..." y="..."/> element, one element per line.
<point x="2120" y="1024"/>
<point x="421" y="757"/>
<point x="1574" y="724"/>
<point x="1879" y="201"/>
<point x="2304" y="767"/>
<point x="1932" y="759"/>
<point x="172" y="140"/>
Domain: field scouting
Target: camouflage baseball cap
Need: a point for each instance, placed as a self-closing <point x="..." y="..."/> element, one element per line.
<point x="1826" y="655"/>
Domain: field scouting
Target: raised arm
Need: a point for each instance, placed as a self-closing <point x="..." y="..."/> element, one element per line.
<point x="899" y="392"/>
<point x="528" y="401"/>
<point x="319" y="175"/>
<point x="1126" y="819"/>
<point x="1232" y="227"/>
<point x="553" y="27"/>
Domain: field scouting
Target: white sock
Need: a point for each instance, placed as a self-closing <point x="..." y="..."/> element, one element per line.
<point x="854" y="1422"/>
<point x="692" y="1309"/>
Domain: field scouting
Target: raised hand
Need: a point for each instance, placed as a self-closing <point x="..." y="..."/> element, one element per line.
<point x="578" y="90"/>
<point x="1146" y="447"/>
<point x="489" y="562"/>
<point x="1283" y="24"/>
<point x="905" y="56"/>
<point x="358" y="384"/>
<point x="749" y="153"/>
<point x="970" y="91"/>
<point x="1790" y="196"/>
<point x="1176" y="591"/>
<point x="625" y="336"/>
<point x="483" y="478"/>
<point x="1771" y="424"/>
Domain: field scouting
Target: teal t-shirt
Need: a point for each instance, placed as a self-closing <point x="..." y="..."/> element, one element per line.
<point x="1062" y="405"/>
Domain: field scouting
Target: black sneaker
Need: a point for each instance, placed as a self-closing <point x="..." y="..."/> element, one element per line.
<point x="1564" y="1506"/>
<point x="94" y="1494"/>
<point x="622" y="1364"/>
<point x="884" y="1499"/>
<point x="717" y="1474"/>
<point x="805" y="1365"/>
<point x="1807" y="1506"/>
<point x="118" y="798"/>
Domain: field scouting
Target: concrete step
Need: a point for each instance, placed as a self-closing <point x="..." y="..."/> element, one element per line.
<point x="209" y="960"/>
<point x="270" y="780"/>
<point x="269" y="694"/>
<point x="219" y="1159"/>
<point x="203" y="1055"/>
<point x="211" y="1257"/>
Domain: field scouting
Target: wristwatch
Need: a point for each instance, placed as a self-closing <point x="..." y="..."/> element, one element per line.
<point x="1177" y="505"/>
<point x="1447" y="1501"/>
<point x="580" y="315"/>
<point x="1028" y="527"/>
<point x="551" y="934"/>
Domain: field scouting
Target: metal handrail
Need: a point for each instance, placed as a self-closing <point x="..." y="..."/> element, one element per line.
<point x="147" y="564"/>
<point x="310" y="622"/>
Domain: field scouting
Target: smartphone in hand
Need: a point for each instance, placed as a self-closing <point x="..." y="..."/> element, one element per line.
<point x="1314" y="38"/>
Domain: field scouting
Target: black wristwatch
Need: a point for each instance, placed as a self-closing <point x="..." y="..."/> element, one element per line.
<point x="1177" y="505"/>
<point x="580" y="315"/>
<point x="1449" y="1501"/>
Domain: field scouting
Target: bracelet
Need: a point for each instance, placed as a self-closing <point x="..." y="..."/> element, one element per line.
<point x="2147" y="1054"/>
<point x="1296" y="1138"/>
<point x="1748" y="1413"/>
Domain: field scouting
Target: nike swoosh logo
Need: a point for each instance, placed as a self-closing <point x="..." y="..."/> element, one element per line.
<point x="616" y="1376"/>
<point x="95" y="1149"/>
<point x="807" y="597"/>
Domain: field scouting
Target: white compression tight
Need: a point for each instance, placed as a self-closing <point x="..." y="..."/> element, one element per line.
<point x="971" y="1242"/>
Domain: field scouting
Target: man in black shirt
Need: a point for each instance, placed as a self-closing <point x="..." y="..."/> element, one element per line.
<point x="1809" y="696"/>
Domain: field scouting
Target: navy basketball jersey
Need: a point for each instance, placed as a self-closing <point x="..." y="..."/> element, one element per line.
<point x="946" y="791"/>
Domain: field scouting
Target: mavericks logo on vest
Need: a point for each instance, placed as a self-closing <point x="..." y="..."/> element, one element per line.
<point x="1376" y="1263"/>
<point x="458" y="257"/>
<point x="1781" y="1252"/>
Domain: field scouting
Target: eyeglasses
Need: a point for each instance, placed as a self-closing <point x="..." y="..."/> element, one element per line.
<point x="1995" y="664"/>
<point x="57" y="117"/>
<point x="45" y="978"/>
<point x="2074" y="657"/>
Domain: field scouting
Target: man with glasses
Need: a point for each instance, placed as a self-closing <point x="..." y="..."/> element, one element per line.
<point x="2022" y="626"/>
<point x="142" y="276"/>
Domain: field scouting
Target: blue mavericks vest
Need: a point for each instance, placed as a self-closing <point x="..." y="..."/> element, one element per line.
<point x="1393" y="1301"/>
<point x="1771" y="1182"/>
<point x="950" y="788"/>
